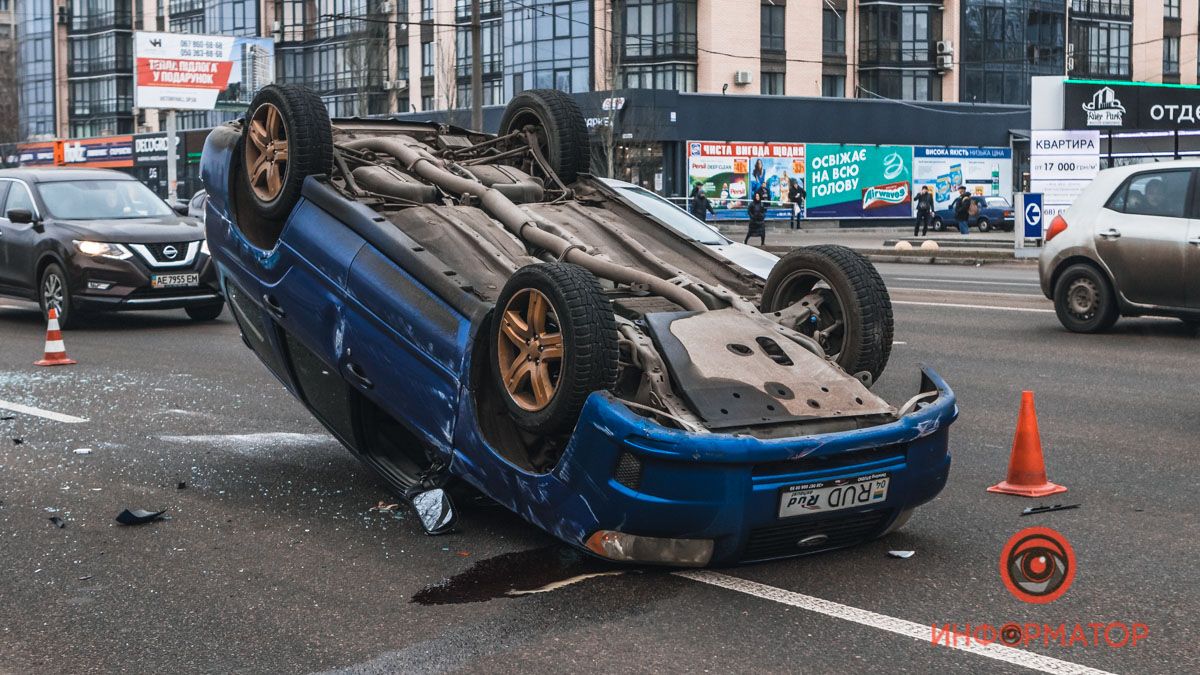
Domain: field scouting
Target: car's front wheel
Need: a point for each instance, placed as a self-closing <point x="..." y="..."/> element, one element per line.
<point x="1084" y="300"/>
<point x="984" y="225"/>
<point x="53" y="291"/>
<point x="204" y="312"/>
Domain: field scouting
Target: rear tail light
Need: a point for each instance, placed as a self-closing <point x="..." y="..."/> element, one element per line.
<point x="1008" y="214"/>
<point x="1057" y="226"/>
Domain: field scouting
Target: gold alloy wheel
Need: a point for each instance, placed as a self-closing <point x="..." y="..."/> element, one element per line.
<point x="530" y="349"/>
<point x="267" y="152"/>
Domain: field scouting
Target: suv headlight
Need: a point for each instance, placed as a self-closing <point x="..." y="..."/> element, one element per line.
<point x="103" y="250"/>
<point x="204" y="246"/>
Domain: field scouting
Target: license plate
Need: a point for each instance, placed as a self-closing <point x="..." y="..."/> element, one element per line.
<point x="833" y="495"/>
<point x="174" y="280"/>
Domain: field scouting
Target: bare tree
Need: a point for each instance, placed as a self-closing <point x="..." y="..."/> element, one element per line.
<point x="9" y="115"/>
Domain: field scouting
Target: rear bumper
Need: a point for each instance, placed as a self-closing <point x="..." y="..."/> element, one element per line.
<point x="623" y="473"/>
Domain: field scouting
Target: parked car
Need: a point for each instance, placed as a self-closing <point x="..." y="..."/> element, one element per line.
<point x="667" y="213"/>
<point x="462" y="308"/>
<point x="84" y="240"/>
<point x="1128" y="246"/>
<point x="995" y="213"/>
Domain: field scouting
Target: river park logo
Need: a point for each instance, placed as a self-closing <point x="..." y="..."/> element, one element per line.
<point x="1105" y="109"/>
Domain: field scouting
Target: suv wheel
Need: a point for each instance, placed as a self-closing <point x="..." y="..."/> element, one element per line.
<point x="53" y="291"/>
<point x="1084" y="300"/>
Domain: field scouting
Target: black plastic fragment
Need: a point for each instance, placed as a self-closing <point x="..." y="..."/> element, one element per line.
<point x="18" y="441"/>
<point x="58" y="522"/>
<point x="139" y="517"/>
<point x="181" y="486"/>
<point x="1046" y="509"/>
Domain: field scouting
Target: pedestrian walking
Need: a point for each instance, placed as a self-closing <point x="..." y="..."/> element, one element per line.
<point x="758" y="219"/>
<point x="962" y="210"/>
<point x="699" y="205"/>
<point x="924" y="211"/>
<point x="796" y="195"/>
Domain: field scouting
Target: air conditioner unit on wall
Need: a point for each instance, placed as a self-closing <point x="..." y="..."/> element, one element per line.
<point x="743" y="77"/>
<point x="945" y="47"/>
<point x="945" y="62"/>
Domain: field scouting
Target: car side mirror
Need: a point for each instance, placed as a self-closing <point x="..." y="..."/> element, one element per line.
<point x="19" y="215"/>
<point x="180" y="207"/>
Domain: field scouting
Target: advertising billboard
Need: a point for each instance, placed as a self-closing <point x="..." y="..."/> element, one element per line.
<point x="729" y="173"/>
<point x="859" y="181"/>
<point x="1124" y="106"/>
<point x="1061" y="165"/>
<point x="984" y="172"/>
<point x="177" y="71"/>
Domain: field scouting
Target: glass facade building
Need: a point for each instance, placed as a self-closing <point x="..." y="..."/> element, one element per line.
<point x="546" y="44"/>
<point x="100" y="67"/>
<point x="897" y="50"/>
<point x="1003" y="43"/>
<point x="1101" y="38"/>
<point x="212" y="17"/>
<point x="654" y="43"/>
<point x="35" y="66"/>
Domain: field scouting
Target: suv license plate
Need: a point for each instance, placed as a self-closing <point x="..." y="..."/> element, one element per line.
<point x="833" y="495"/>
<point x="174" y="280"/>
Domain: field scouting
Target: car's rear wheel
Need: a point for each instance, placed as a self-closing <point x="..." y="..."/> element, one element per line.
<point x="557" y="122"/>
<point x="554" y="342"/>
<point x="204" y="312"/>
<point x="853" y="316"/>
<point x="984" y="225"/>
<point x="938" y="225"/>
<point x="54" y="291"/>
<point x="1084" y="300"/>
<point x="285" y="139"/>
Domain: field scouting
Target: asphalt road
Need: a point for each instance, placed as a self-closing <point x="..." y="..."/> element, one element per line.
<point x="271" y="561"/>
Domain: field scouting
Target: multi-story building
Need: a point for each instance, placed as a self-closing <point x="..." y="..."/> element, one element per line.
<point x="371" y="57"/>
<point x="8" y="72"/>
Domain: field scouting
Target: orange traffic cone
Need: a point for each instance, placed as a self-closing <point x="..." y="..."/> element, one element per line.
<point x="56" y="352"/>
<point x="1026" y="467"/>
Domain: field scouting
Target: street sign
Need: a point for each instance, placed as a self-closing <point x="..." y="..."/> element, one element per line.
<point x="1032" y="211"/>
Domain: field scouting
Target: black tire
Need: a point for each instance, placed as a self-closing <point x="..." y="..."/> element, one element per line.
<point x="54" y="276"/>
<point x="560" y="125"/>
<point x="204" y="312"/>
<point x="309" y="139"/>
<point x="938" y="225"/>
<point x="587" y="361"/>
<point x="862" y="303"/>
<point x="1084" y="300"/>
<point x="984" y="225"/>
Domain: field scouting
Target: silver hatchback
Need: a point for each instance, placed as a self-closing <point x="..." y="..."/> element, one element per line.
<point x="1128" y="246"/>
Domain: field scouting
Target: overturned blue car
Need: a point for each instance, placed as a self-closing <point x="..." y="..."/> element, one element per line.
<point x="461" y="308"/>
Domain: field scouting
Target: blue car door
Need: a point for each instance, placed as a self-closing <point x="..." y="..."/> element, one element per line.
<point x="406" y="346"/>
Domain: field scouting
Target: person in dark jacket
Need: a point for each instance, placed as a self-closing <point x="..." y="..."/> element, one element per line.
<point x="796" y="196"/>
<point x="962" y="210"/>
<point x="699" y="204"/>
<point x="924" y="211"/>
<point x="758" y="219"/>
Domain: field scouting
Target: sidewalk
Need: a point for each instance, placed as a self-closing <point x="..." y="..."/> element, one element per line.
<point x="878" y="244"/>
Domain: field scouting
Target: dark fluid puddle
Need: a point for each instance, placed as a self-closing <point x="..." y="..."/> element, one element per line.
<point x="509" y="574"/>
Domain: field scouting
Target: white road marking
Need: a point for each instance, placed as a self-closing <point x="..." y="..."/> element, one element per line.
<point x="960" y="306"/>
<point x="898" y="343"/>
<point x="987" y="293"/>
<point x="916" y="631"/>
<point x="38" y="412"/>
<point x="964" y="281"/>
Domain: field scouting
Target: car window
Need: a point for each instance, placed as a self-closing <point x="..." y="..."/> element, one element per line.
<point x="997" y="202"/>
<point x="3" y="192"/>
<point x="674" y="217"/>
<point x="1156" y="193"/>
<point x="18" y="198"/>
<point x="101" y="199"/>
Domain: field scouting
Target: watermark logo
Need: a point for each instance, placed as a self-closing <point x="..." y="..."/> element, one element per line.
<point x="1037" y="565"/>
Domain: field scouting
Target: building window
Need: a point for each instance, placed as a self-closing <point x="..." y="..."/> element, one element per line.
<point x="402" y="61"/>
<point x="426" y="59"/>
<point x="772" y="28"/>
<point x="896" y="51"/>
<point x="654" y="28"/>
<point x="427" y="10"/>
<point x="540" y="38"/>
<point x="833" y="86"/>
<point x="1171" y="9"/>
<point x="833" y="27"/>
<point x="426" y="103"/>
<point x="677" y="76"/>
<point x="1171" y="56"/>
<point x="772" y="83"/>
<point x="1101" y="48"/>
